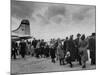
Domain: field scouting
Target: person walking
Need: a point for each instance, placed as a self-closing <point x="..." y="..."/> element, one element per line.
<point x="52" y="52"/>
<point x="92" y="47"/>
<point x="77" y="53"/>
<point x="22" y="48"/>
<point x="83" y="51"/>
<point x="71" y="48"/>
<point x="60" y="53"/>
<point x="14" y="49"/>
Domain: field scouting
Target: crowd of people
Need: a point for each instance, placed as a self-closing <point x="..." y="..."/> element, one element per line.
<point x="66" y="51"/>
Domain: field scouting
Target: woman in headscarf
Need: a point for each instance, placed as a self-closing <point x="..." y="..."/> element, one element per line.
<point x="83" y="51"/>
<point x="60" y="53"/>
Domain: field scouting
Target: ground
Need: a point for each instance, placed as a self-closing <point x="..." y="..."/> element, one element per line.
<point x="34" y="65"/>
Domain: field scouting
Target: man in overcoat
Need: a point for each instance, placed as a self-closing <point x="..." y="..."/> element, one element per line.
<point x="92" y="47"/>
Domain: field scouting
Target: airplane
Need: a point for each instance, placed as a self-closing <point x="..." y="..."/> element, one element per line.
<point x="22" y="32"/>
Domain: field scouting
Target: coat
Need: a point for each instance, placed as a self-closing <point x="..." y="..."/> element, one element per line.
<point x="83" y="50"/>
<point x="60" y="52"/>
<point x="32" y="49"/>
<point x="23" y="48"/>
<point x="92" y="47"/>
<point x="71" y="48"/>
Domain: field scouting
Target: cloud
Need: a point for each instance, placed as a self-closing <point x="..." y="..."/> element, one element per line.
<point x="54" y="10"/>
<point x="22" y="9"/>
<point x="57" y="19"/>
<point x="84" y="14"/>
<point x="58" y="13"/>
<point x="43" y="19"/>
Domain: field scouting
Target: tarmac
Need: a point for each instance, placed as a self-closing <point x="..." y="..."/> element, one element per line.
<point x="41" y="65"/>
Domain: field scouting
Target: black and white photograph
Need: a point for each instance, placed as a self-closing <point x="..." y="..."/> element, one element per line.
<point x="52" y="37"/>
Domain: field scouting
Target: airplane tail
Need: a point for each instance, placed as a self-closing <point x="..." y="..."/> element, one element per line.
<point x="24" y="28"/>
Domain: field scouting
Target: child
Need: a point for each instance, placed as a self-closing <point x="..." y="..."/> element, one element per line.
<point x="68" y="58"/>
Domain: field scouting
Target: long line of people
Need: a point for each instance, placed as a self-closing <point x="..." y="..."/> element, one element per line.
<point x="66" y="51"/>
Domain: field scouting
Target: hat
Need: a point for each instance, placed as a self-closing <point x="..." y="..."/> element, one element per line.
<point x="78" y="35"/>
<point x="83" y="37"/>
<point x="93" y="34"/>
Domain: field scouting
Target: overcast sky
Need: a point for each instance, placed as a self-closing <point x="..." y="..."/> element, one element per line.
<point x="50" y="20"/>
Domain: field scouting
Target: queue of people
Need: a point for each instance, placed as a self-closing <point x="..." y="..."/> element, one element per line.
<point x="66" y="51"/>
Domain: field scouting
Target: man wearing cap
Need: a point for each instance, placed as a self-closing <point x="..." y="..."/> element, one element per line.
<point x="92" y="47"/>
